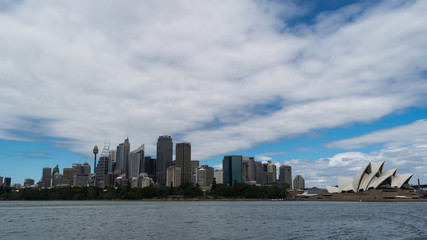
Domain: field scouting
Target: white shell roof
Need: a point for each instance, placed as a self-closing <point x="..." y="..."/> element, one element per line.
<point x="399" y="180"/>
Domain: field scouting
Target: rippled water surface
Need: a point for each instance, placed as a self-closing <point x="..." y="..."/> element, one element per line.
<point x="212" y="220"/>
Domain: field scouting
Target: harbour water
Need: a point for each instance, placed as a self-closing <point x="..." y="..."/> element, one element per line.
<point x="212" y="220"/>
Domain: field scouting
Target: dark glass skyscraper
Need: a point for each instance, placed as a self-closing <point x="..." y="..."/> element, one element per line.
<point x="183" y="160"/>
<point x="286" y="174"/>
<point x="164" y="158"/>
<point x="232" y="166"/>
<point x="123" y="156"/>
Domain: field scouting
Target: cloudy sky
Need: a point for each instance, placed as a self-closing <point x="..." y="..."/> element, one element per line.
<point x="324" y="86"/>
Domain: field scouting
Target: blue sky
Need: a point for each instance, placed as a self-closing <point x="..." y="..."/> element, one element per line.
<point x="324" y="86"/>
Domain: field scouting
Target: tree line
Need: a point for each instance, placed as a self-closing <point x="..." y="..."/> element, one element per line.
<point x="185" y="191"/>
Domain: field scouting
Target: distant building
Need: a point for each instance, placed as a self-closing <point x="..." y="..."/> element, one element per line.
<point x="136" y="160"/>
<point x="1" y="181"/>
<point x="164" y="158"/>
<point x="80" y="180"/>
<point x="109" y="180"/>
<point x="183" y="160"/>
<point x="299" y="182"/>
<point x="219" y="176"/>
<point x="285" y="175"/>
<point x="271" y="173"/>
<point x="28" y="182"/>
<point x="16" y="186"/>
<point x="173" y="177"/>
<point x="86" y="168"/>
<point x="248" y="169"/>
<point x="113" y="155"/>
<point x="259" y="174"/>
<point x="7" y="181"/>
<point x="47" y="177"/>
<point x="56" y="179"/>
<point x="122" y="156"/>
<point x="68" y="175"/>
<point x="194" y="168"/>
<point x="150" y="167"/>
<point x="146" y="182"/>
<point x="232" y="166"/>
<point x="205" y="176"/>
<point x="102" y="168"/>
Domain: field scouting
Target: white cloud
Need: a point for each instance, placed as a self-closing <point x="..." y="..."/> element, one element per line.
<point x="262" y="158"/>
<point x="94" y="71"/>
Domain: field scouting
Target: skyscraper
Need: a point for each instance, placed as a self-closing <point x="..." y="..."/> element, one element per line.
<point x="164" y="158"/>
<point x="219" y="176"/>
<point x="194" y="167"/>
<point x="122" y="156"/>
<point x="46" y="177"/>
<point x="259" y="174"/>
<point x="150" y="167"/>
<point x="232" y="166"/>
<point x="28" y="182"/>
<point x="286" y="175"/>
<point x="68" y="175"/>
<point x="136" y="159"/>
<point x="205" y="176"/>
<point x="248" y="165"/>
<point x="271" y="173"/>
<point x="7" y="181"/>
<point x="173" y="178"/>
<point x="183" y="160"/>
<point x="299" y="182"/>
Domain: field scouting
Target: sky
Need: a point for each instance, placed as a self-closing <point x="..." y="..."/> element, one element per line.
<point x="323" y="86"/>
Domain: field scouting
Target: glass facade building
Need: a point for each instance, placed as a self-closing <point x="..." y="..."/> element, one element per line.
<point x="232" y="166"/>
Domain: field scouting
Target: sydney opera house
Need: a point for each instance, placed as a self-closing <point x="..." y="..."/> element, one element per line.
<point x="371" y="183"/>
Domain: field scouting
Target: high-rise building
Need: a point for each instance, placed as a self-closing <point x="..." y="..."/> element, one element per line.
<point x="150" y="167"/>
<point x="86" y="168"/>
<point x="47" y="177"/>
<point x="68" y="175"/>
<point x="205" y="175"/>
<point x="28" y="182"/>
<point x="219" y="176"/>
<point x="232" y="166"/>
<point x="80" y="180"/>
<point x="259" y="173"/>
<point x="299" y="182"/>
<point x="194" y="168"/>
<point x="164" y="158"/>
<point x="173" y="176"/>
<point x="285" y="175"/>
<point x="248" y="169"/>
<point x="122" y="156"/>
<point x="7" y="181"/>
<point x="113" y="155"/>
<point x="271" y="173"/>
<point x="1" y="181"/>
<point x="102" y="168"/>
<point x="136" y="160"/>
<point x="79" y="167"/>
<point x="56" y="179"/>
<point x="183" y="160"/>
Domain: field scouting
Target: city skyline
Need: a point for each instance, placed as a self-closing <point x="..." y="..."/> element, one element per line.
<point x="322" y="87"/>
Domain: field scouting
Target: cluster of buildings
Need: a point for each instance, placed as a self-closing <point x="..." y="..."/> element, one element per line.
<point x="121" y="166"/>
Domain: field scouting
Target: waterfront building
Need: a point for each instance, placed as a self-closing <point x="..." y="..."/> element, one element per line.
<point x="136" y="161"/>
<point x="205" y="176"/>
<point x="68" y="175"/>
<point x="28" y="182"/>
<point x="371" y="176"/>
<point x="150" y="167"/>
<point x="56" y="179"/>
<point x="271" y="173"/>
<point x="7" y="181"/>
<point x="80" y="180"/>
<point x="232" y="166"/>
<point x="109" y="179"/>
<point x="173" y="177"/>
<point x="133" y="182"/>
<point x="183" y="160"/>
<point x="285" y="175"/>
<point x="122" y="156"/>
<point x="194" y="169"/>
<point x="248" y="169"/>
<point x="219" y="176"/>
<point x="259" y="174"/>
<point x="299" y="182"/>
<point x="146" y="182"/>
<point x="1" y="181"/>
<point x="47" y="177"/>
<point x="164" y="158"/>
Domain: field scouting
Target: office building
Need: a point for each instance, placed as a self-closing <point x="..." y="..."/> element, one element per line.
<point x="259" y="174"/>
<point x="80" y="180"/>
<point x="113" y="155"/>
<point x="102" y="168"/>
<point x="47" y="177"/>
<point x="7" y="181"/>
<point x="232" y="166"/>
<point x="271" y="173"/>
<point x="248" y="169"/>
<point x="194" y="169"/>
<point x="183" y="160"/>
<point x="122" y="156"/>
<point x="164" y="158"/>
<point x="219" y="176"/>
<point x="173" y="177"/>
<point x="56" y="179"/>
<point x="86" y="168"/>
<point x="299" y="182"/>
<point x="1" y="181"/>
<point x="68" y="175"/>
<point x="150" y="167"/>
<point x="136" y="161"/>
<point x="205" y="176"/>
<point x="28" y="182"/>
<point x="285" y="175"/>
